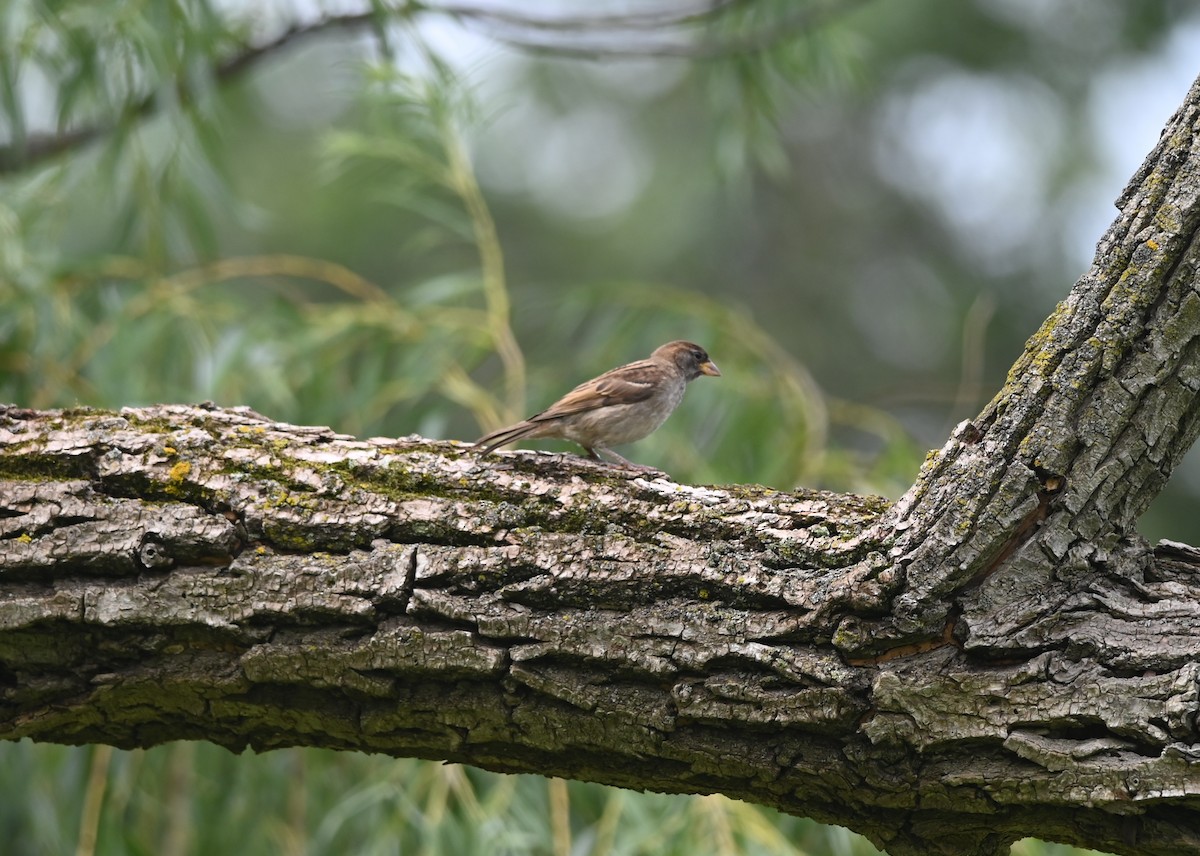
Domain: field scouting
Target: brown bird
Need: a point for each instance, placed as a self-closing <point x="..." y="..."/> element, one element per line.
<point x="619" y="406"/>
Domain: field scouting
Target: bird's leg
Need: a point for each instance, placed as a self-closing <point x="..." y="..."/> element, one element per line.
<point x="622" y="462"/>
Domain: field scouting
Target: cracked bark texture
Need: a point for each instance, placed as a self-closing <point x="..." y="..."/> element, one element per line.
<point x="997" y="655"/>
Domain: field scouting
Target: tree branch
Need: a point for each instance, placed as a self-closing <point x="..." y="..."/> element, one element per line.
<point x="1095" y="416"/>
<point x="626" y="22"/>
<point x="603" y="36"/>
<point x="37" y="148"/>
<point x="596" y="39"/>
<point x="193" y="573"/>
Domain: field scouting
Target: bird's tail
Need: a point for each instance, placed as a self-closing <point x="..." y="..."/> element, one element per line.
<point x="510" y="434"/>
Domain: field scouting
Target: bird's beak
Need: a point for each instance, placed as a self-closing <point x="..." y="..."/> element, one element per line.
<point x="709" y="368"/>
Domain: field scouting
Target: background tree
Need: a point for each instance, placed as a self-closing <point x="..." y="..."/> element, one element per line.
<point x="323" y="221"/>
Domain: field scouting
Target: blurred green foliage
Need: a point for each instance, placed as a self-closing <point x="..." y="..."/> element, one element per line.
<point x="399" y="226"/>
<point x="194" y="798"/>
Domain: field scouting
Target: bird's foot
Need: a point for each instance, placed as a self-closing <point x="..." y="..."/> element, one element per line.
<point x="617" y="460"/>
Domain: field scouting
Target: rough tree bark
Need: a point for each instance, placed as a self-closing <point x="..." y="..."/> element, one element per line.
<point x="997" y="655"/>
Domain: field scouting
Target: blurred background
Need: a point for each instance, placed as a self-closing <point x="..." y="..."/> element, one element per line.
<point x="395" y="217"/>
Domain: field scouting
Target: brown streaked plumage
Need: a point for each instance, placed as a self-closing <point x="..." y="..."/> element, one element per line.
<point x="619" y="406"/>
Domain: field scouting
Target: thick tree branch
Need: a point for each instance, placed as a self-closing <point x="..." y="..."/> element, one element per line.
<point x="1095" y="416"/>
<point x="179" y="572"/>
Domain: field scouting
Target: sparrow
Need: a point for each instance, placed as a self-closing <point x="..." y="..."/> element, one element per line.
<point x="619" y="406"/>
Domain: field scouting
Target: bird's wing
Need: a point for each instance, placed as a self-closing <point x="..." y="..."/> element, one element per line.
<point x="625" y="385"/>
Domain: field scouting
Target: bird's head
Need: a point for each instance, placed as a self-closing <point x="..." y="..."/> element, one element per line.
<point x="691" y="359"/>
